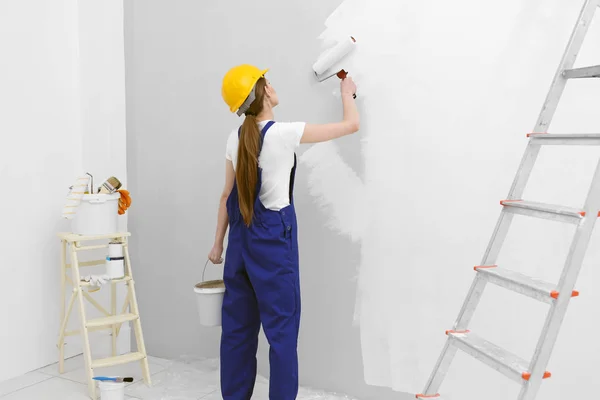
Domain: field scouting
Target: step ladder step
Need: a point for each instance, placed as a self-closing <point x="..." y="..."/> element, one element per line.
<point x="517" y="282"/>
<point x="118" y="360"/>
<point x="569" y="139"/>
<point x="545" y="211"/>
<point x="429" y="397"/>
<point x="586" y="72"/>
<point x="511" y="365"/>
<point x="112" y="320"/>
<point x="116" y="280"/>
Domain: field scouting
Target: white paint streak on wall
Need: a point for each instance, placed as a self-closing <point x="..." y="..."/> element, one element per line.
<point x="331" y="180"/>
<point x="447" y="91"/>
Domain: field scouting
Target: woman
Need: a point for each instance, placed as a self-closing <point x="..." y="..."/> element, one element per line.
<point x="261" y="267"/>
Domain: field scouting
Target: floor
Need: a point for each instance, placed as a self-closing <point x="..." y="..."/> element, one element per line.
<point x="182" y="379"/>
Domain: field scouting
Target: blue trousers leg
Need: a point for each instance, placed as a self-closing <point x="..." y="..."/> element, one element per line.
<point x="278" y="294"/>
<point x="241" y="325"/>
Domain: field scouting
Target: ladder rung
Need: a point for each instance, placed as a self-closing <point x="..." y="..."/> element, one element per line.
<point x="92" y="263"/>
<point x="118" y="360"/>
<point x="546" y="211"/>
<point x="586" y="72"/>
<point x="73" y="237"/>
<point x="112" y="320"/>
<point x="117" y="280"/>
<point x="511" y="365"/>
<point x="517" y="282"/>
<point x="573" y="139"/>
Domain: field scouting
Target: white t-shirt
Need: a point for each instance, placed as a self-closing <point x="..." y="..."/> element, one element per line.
<point x="276" y="160"/>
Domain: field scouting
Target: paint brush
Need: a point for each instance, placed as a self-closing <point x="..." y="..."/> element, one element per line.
<point x="112" y="379"/>
<point x="110" y="185"/>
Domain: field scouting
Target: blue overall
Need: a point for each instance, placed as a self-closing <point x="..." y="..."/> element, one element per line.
<point x="261" y="285"/>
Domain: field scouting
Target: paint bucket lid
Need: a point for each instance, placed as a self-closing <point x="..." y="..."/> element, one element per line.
<point x="210" y="287"/>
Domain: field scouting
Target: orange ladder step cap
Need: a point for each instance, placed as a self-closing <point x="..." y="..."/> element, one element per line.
<point x="527" y="375"/>
<point x="428" y="396"/>
<point x="453" y="331"/>
<point x="509" y="201"/>
<point x="484" y="267"/>
<point x="554" y="294"/>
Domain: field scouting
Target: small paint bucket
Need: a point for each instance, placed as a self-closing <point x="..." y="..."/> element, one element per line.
<point x="209" y="296"/>
<point x="115" y="268"/>
<point x="112" y="390"/>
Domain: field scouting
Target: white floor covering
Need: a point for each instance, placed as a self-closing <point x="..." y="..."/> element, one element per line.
<point x="182" y="379"/>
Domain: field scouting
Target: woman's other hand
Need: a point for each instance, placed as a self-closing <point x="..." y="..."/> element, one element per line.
<point x="216" y="254"/>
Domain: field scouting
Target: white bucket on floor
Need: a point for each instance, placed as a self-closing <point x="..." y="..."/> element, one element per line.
<point x="209" y="296"/>
<point x="111" y="390"/>
<point x="96" y="214"/>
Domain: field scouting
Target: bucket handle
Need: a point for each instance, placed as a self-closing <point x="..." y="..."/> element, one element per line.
<point x="204" y="270"/>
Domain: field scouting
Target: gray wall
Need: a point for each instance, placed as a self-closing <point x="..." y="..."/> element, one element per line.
<point x="176" y="55"/>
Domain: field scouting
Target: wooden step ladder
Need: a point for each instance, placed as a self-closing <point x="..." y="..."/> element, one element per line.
<point x="72" y="243"/>
<point x="529" y="374"/>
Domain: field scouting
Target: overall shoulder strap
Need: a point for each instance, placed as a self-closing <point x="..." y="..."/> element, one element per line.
<point x="263" y="132"/>
<point x="292" y="178"/>
<point x="266" y="128"/>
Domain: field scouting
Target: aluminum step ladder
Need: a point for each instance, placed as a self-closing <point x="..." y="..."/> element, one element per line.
<point x="529" y="374"/>
<point x="113" y="320"/>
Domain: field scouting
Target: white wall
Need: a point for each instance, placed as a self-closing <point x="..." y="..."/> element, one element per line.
<point x="62" y="102"/>
<point x="448" y="91"/>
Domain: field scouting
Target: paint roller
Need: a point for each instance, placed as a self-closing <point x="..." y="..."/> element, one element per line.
<point x="325" y="66"/>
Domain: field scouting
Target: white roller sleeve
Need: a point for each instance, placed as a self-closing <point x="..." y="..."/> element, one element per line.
<point x="75" y="196"/>
<point x="333" y="55"/>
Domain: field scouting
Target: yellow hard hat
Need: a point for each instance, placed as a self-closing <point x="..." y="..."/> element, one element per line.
<point x="238" y="84"/>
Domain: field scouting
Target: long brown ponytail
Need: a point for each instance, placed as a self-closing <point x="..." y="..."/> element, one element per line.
<point x="248" y="151"/>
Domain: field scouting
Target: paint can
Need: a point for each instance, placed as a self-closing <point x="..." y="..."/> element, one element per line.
<point x="115" y="268"/>
<point x="209" y="297"/>
<point x="112" y="390"/>
<point x="97" y="214"/>
<point x="115" y="262"/>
